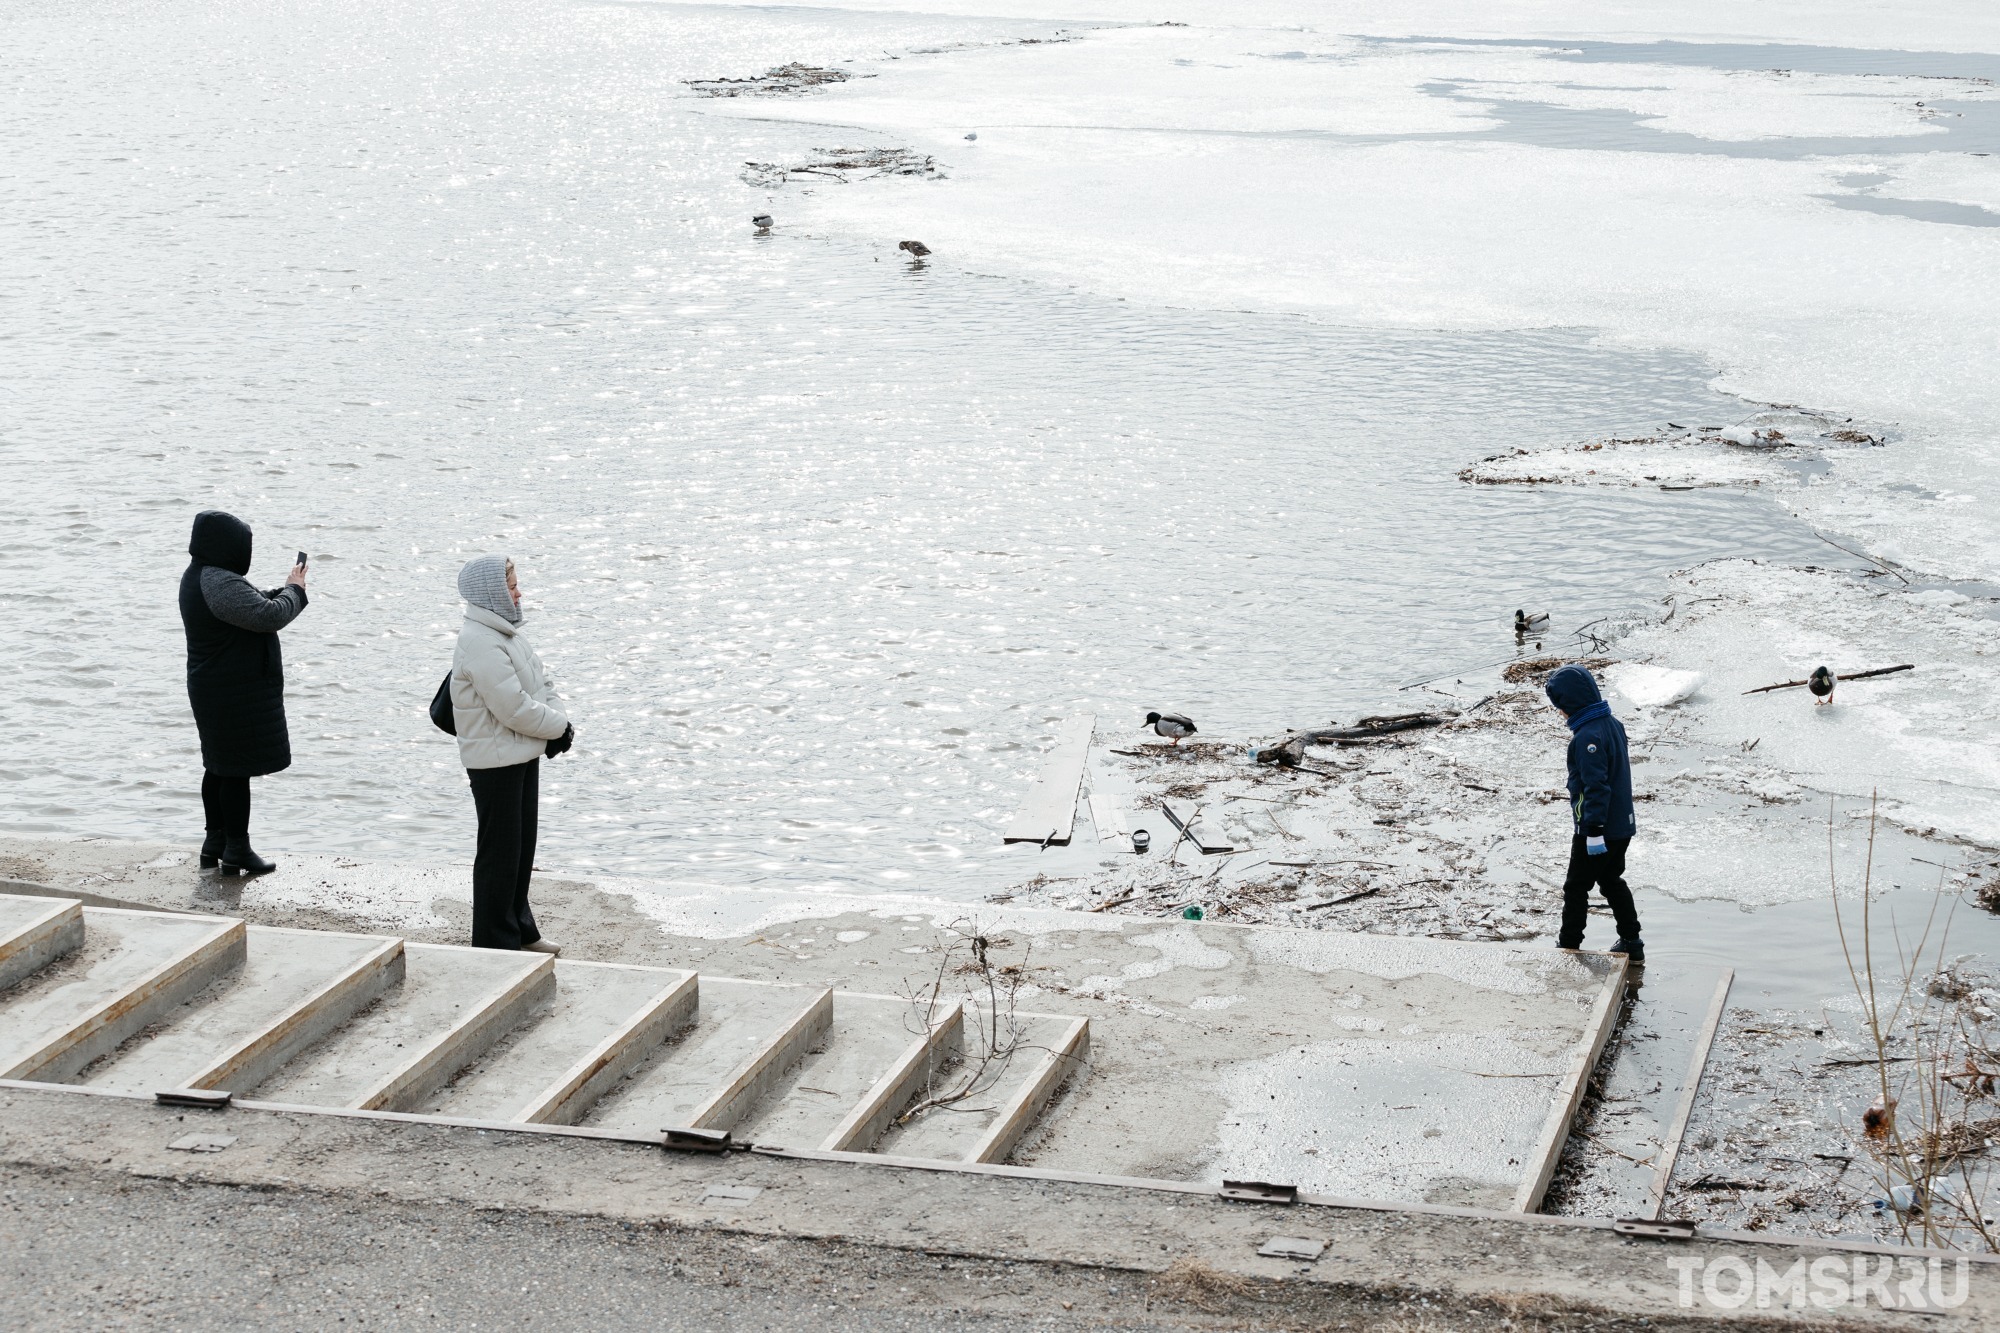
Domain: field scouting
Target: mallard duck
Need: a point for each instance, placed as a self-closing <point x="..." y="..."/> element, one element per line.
<point x="1524" y="623"/>
<point x="762" y="222"/>
<point x="1171" y="725"/>
<point x="917" y="249"/>
<point x="1820" y="682"/>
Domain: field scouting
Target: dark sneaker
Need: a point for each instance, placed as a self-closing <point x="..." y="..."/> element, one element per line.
<point x="1633" y="949"/>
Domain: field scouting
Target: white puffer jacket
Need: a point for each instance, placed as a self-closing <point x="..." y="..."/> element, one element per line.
<point x="502" y="701"/>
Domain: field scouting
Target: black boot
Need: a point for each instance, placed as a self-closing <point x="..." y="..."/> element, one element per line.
<point x="1631" y="947"/>
<point x="238" y="858"/>
<point x="211" y="850"/>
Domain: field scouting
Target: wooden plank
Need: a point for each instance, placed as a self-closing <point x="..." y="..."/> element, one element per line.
<point x="1048" y="815"/>
<point x="44" y="931"/>
<point x="1109" y="816"/>
<point x="912" y="1072"/>
<point x="1187" y="819"/>
<point x="1062" y="1061"/>
<point x="263" y="1053"/>
<point x="102" y="1026"/>
<point x="754" y="1077"/>
<point x="483" y="1023"/>
<point x="1670" y="1143"/>
<point x="571" y="1096"/>
<point x="1555" y="1132"/>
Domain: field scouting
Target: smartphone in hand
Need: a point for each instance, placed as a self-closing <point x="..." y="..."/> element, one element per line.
<point x="301" y="562"/>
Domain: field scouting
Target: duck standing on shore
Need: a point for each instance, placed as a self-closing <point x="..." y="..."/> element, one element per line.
<point x="1171" y="725"/>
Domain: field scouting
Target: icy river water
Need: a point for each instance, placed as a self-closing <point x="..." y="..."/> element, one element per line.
<point x="818" y="542"/>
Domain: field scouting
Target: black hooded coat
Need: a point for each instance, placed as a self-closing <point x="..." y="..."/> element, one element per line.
<point x="235" y="673"/>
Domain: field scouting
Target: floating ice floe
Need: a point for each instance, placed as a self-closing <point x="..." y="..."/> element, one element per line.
<point x="1651" y="686"/>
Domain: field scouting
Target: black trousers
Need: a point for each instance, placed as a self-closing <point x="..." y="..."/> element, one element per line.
<point x="1607" y="872"/>
<point x="506" y="801"/>
<point x="225" y="807"/>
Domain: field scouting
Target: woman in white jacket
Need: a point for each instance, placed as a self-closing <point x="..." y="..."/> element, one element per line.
<point x="508" y="719"/>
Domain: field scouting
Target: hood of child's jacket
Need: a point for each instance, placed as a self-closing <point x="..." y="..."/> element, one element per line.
<point x="1572" y="690"/>
<point x="222" y="540"/>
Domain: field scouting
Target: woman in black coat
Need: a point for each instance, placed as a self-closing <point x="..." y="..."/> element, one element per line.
<point x="235" y="680"/>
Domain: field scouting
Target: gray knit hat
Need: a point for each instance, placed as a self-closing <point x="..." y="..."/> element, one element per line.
<point x="483" y="583"/>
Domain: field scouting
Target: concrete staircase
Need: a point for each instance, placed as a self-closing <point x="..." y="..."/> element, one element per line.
<point x="144" y="1002"/>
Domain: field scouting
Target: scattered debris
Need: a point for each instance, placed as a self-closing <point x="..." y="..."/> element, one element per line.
<point x="202" y="1142"/>
<point x="1537" y="670"/>
<point x="1287" y="753"/>
<point x="783" y="81"/>
<point x="843" y="164"/>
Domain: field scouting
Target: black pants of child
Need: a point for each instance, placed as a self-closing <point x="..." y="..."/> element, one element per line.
<point x="1607" y="872"/>
<point x="506" y="801"/>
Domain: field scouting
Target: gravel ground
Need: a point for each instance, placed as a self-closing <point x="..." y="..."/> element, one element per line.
<point x="84" y="1251"/>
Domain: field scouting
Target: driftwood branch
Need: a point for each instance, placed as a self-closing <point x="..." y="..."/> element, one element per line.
<point x="1370" y="728"/>
<point x="1852" y="675"/>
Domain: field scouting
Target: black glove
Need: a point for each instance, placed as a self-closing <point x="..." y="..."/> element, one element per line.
<point x="561" y="743"/>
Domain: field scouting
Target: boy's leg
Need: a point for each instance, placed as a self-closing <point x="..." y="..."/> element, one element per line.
<point x="1576" y="895"/>
<point x="1611" y="879"/>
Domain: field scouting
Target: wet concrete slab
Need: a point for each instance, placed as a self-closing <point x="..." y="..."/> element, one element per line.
<point x="1359" y="1066"/>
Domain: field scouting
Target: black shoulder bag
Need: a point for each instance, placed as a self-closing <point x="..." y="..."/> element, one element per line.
<point x="441" y="717"/>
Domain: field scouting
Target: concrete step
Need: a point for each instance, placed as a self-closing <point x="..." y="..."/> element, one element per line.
<point x="873" y="1060"/>
<point x="601" y="1021"/>
<point x="140" y="1002"/>
<point x="295" y="987"/>
<point x="749" y="1035"/>
<point x="1007" y="1096"/>
<point x="453" y="1004"/>
<point x="34" y="932"/>
<point x="131" y="969"/>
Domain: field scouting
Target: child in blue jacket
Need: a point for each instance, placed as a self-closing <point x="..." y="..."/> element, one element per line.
<point x="1600" y="800"/>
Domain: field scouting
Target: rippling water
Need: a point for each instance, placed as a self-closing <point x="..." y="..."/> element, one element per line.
<point x="818" y="542"/>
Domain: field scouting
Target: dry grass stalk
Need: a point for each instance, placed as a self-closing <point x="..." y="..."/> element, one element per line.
<point x="1195" y="1282"/>
<point x="1927" y="1132"/>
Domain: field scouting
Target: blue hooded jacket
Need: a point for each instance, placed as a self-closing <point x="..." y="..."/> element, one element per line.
<point x="1600" y="770"/>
